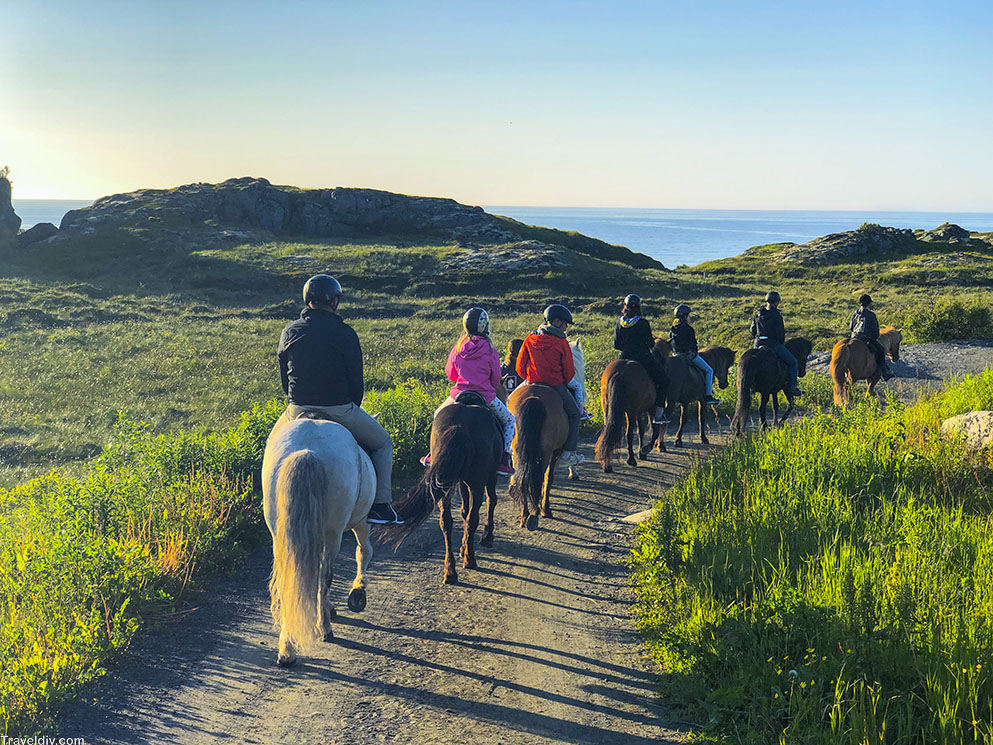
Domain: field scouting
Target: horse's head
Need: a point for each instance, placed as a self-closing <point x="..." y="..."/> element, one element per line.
<point x="662" y="350"/>
<point x="720" y="359"/>
<point x="579" y="360"/>
<point x="801" y="349"/>
<point x="889" y="340"/>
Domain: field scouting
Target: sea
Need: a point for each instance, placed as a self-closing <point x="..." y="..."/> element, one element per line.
<point x="672" y="236"/>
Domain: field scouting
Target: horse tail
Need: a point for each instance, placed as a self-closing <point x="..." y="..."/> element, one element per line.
<point x="449" y="461"/>
<point x="613" y="418"/>
<point x="298" y="546"/>
<point x="529" y="459"/>
<point x="839" y="365"/>
<point x="746" y="382"/>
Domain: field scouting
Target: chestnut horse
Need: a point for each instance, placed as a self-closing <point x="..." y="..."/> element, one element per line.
<point x="466" y="445"/>
<point x="851" y="359"/>
<point x="759" y="370"/>
<point x="687" y="384"/>
<point x="627" y="392"/>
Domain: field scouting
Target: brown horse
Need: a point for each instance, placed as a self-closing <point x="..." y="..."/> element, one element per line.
<point x="627" y="393"/>
<point x="466" y="445"/>
<point x="687" y="384"/>
<point x="541" y="431"/>
<point x="851" y="359"/>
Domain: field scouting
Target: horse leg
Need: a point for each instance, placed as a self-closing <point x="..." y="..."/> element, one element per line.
<point x="491" y="500"/>
<point x="363" y="555"/>
<point x="630" y="434"/>
<point x="546" y="505"/>
<point x="451" y="576"/>
<point x="763" y="402"/>
<point x="682" y="424"/>
<point x="703" y="422"/>
<point x="642" y="451"/>
<point x="469" y="529"/>
<point x="775" y="408"/>
<point x="789" y="408"/>
<point x="323" y="594"/>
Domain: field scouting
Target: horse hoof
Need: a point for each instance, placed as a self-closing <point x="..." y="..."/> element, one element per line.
<point x="704" y="440"/>
<point x="608" y="469"/>
<point x="632" y="461"/>
<point x="451" y="579"/>
<point x="532" y="522"/>
<point x="678" y="443"/>
<point x="285" y="660"/>
<point x="573" y="476"/>
<point x="662" y="449"/>
<point x="643" y="455"/>
<point x="356" y="600"/>
<point x="329" y="636"/>
<point x="486" y="540"/>
<point x="333" y="613"/>
<point x="469" y="564"/>
<point x="547" y="513"/>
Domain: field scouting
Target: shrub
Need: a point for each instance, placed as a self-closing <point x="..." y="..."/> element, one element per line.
<point x="947" y="320"/>
<point x="406" y="412"/>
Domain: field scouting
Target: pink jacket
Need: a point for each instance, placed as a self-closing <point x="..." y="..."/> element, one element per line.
<point x="476" y="367"/>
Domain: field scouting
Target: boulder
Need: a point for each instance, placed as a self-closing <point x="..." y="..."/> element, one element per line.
<point x="868" y="239"/>
<point x="945" y="233"/>
<point x="10" y="223"/>
<point x="976" y="427"/>
<point x="40" y="232"/>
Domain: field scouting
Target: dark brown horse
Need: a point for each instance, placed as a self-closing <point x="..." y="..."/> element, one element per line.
<point x="851" y="359"/>
<point x="687" y="384"/>
<point x="761" y="371"/>
<point x="466" y="445"/>
<point x="626" y="394"/>
<point x="540" y="433"/>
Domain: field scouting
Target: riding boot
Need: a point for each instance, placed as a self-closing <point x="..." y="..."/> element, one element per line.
<point x="660" y="416"/>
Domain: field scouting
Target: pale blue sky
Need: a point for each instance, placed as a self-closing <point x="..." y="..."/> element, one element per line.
<point x="649" y="104"/>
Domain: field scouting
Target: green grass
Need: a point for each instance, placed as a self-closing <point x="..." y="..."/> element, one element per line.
<point x="830" y="582"/>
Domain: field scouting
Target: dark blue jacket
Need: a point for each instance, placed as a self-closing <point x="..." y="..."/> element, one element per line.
<point x="320" y="360"/>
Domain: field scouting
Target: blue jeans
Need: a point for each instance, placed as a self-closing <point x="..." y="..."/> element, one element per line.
<point x="708" y="372"/>
<point x="787" y="357"/>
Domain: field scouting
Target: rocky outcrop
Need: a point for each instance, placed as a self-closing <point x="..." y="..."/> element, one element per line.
<point x="10" y="223"/>
<point x="515" y="257"/>
<point x="204" y="214"/>
<point x="976" y="428"/>
<point x="40" y="232"/>
<point x="868" y="239"/>
<point x="945" y="233"/>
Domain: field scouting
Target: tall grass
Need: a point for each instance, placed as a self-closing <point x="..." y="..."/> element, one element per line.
<point x="831" y="581"/>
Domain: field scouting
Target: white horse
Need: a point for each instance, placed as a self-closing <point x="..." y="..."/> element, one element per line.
<point x="316" y="484"/>
<point x="579" y="362"/>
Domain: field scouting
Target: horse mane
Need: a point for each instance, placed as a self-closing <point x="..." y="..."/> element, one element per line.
<point x="662" y="350"/>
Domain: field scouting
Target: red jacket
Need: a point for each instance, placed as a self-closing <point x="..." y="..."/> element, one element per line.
<point x="546" y="357"/>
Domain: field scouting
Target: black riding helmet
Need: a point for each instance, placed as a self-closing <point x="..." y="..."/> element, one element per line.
<point x="476" y="322"/>
<point x="865" y="301"/>
<point x="773" y="297"/>
<point x="633" y="301"/>
<point x="321" y="288"/>
<point x="557" y="312"/>
<point x="682" y="310"/>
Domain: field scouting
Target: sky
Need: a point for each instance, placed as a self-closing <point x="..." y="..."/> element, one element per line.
<point x="734" y="105"/>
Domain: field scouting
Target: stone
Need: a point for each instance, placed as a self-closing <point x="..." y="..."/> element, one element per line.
<point x="868" y="239"/>
<point x="976" y="427"/>
<point x="10" y="223"/>
<point x="40" y="232"/>
<point x="945" y="233"/>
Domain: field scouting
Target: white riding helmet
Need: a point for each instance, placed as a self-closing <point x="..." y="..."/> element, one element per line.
<point x="476" y="322"/>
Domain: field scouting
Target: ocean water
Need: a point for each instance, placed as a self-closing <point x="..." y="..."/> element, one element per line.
<point x="672" y="236"/>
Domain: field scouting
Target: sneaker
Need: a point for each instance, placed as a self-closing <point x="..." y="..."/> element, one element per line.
<point x="571" y="458"/>
<point x="505" y="468"/>
<point x="887" y="372"/>
<point x="426" y="460"/>
<point x="383" y="514"/>
<point x="660" y="417"/>
<point x="713" y="400"/>
<point x="585" y="416"/>
<point x="796" y="392"/>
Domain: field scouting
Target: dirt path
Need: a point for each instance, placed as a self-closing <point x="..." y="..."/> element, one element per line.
<point x="537" y="646"/>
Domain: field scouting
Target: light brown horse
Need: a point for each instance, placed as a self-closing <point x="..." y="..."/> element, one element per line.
<point x="541" y="431"/>
<point x="851" y="359"/>
<point x="627" y="393"/>
<point x="687" y="384"/>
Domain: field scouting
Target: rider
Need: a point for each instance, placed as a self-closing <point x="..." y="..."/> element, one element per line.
<point x="682" y="337"/>
<point x="769" y="331"/>
<point x="508" y="370"/>
<point x="546" y="357"/>
<point x="320" y="365"/>
<point x="865" y="327"/>
<point x="474" y="365"/>
<point x="633" y="337"/>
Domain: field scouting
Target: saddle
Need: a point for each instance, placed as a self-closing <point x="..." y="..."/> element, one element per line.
<point x="471" y="398"/>
<point x="693" y="369"/>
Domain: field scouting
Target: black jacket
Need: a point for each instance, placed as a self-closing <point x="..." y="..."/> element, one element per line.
<point x="865" y="325"/>
<point x="320" y="360"/>
<point x="768" y="323"/>
<point x="634" y="342"/>
<point x="683" y="338"/>
<point x="509" y="377"/>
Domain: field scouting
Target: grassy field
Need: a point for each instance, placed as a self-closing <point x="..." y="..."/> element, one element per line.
<point x="182" y="341"/>
<point x="830" y="582"/>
